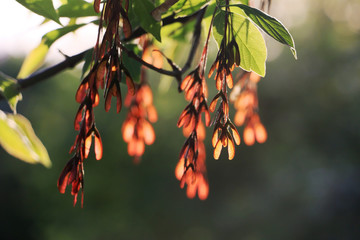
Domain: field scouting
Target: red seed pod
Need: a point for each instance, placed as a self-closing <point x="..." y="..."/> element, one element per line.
<point x="97" y="6"/>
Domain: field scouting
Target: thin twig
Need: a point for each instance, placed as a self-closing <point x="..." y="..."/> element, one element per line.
<point x="132" y="55"/>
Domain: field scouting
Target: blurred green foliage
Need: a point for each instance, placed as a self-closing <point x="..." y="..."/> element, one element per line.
<point x="303" y="183"/>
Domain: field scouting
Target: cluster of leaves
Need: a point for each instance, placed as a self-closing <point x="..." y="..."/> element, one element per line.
<point x="123" y="54"/>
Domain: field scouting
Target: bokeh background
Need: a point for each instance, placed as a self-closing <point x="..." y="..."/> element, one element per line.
<point x="303" y="183"/>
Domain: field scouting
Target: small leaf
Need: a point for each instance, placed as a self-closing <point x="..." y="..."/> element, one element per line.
<point x="9" y="88"/>
<point x="17" y="137"/>
<point x="270" y="25"/>
<point x="142" y="10"/>
<point x="37" y="56"/>
<point x="77" y="8"/>
<point x="43" y="8"/>
<point x="132" y="65"/>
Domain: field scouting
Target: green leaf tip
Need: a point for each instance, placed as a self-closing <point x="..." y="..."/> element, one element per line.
<point x="293" y="50"/>
<point x="270" y="25"/>
<point x="43" y="8"/>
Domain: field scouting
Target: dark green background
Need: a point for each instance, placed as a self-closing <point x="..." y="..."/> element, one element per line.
<point x="303" y="183"/>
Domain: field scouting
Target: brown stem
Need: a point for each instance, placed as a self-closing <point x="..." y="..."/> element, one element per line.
<point x="205" y="51"/>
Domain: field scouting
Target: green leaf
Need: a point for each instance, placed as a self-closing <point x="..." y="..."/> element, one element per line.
<point x="44" y="8"/>
<point x="270" y="25"/>
<point x="218" y="27"/>
<point x="135" y="22"/>
<point x="249" y="39"/>
<point x="9" y="88"/>
<point x="142" y="10"/>
<point x="77" y="8"/>
<point x="37" y="56"/>
<point x="133" y="66"/>
<point x="17" y="137"/>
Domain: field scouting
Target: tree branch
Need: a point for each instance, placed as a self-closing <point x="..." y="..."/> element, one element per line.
<point x="41" y="75"/>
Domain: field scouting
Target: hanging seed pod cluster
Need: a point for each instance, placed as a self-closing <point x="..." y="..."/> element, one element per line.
<point x="129" y="36"/>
